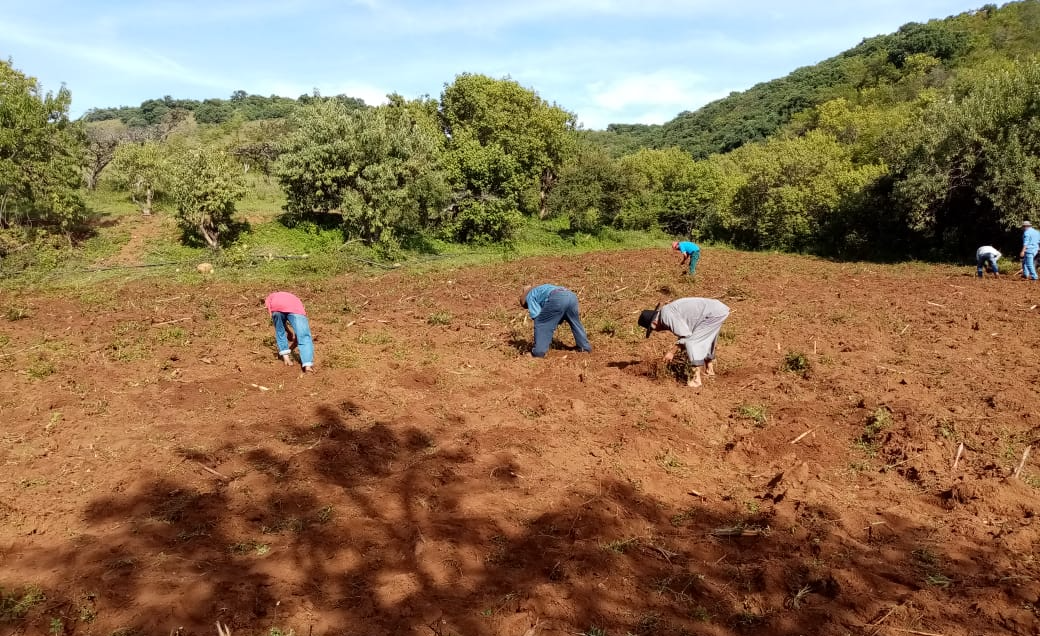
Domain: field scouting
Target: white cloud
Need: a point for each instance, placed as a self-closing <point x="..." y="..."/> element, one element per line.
<point x="137" y="62"/>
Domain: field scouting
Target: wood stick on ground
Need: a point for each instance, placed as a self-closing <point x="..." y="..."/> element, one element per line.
<point x="1022" y="464"/>
<point x="170" y="322"/>
<point x="936" y="304"/>
<point x="694" y="493"/>
<point x="914" y="631"/>
<point x="210" y="470"/>
<point x="14" y="353"/>
<point x="802" y="436"/>
<point x="737" y="531"/>
<point x="877" y="624"/>
<point x="957" y="459"/>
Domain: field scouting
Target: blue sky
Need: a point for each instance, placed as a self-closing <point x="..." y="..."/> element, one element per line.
<point x="624" y="61"/>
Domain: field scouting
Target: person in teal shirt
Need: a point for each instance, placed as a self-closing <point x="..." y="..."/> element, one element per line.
<point x="690" y="251"/>
<point x="1030" y="247"/>
<point x="549" y="305"/>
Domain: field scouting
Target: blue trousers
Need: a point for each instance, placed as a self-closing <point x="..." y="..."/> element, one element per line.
<point x="561" y="305"/>
<point x="694" y="257"/>
<point x="1029" y="266"/>
<point x="982" y="261"/>
<point x="301" y="329"/>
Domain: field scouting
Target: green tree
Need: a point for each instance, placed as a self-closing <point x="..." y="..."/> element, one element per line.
<point x="505" y="142"/>
<point x="591" y="189"/>
<point x="972" y="167"/>
<point x="379" y="168"/>
<point x="794" y="190"/>
<point x="204" y="186"/>
<point x="41" y="155"/>
<point x="143" y="170"/>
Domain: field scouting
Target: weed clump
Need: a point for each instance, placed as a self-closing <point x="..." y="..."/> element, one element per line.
<point x="876" y="425"/>
<point x="439" y="318"/>
<point x="16" y="604"/>
<point x="754" y="412"/>
<point x="795" y="362"/>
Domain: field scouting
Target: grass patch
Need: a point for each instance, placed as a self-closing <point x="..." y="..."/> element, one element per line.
<point x="14" y="605"/>
<point x="14" y="314"/>
<point x="442" y="318"/>
<point x="249" y="547"/>
<point x="756" y="413"/>
<point x="41" y="369"/>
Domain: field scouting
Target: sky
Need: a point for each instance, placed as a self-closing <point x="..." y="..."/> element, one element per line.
<point x="608" y="61"/>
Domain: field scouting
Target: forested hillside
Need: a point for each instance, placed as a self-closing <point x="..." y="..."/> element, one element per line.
<point x="872" y="72"/>
<point x="918" y="144"/>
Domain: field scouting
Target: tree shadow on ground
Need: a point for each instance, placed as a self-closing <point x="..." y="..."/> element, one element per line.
<point x="376" y="527"/>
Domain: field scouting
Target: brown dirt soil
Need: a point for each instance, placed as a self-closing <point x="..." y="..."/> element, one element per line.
<point x="162" y="471"/>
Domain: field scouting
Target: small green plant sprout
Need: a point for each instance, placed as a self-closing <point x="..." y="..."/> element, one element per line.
<point x="876" y="424"/>
<point x="670" y="462"/>
<point x="938" y="579"/>
<point x="754" y="412"/>
<point x="439" y="318"/>
<point x="16" y="313"/>
<point x="57" y="627"/>
<point x="608" y="327"/>
<point x="795" y="362"/>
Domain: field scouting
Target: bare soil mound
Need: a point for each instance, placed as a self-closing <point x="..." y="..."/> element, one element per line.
<point x="850" y="469"/>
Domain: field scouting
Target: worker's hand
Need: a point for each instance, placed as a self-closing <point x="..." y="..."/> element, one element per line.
<point x="669" y="356"/>
<point x="1022" y="254"/>
<point x="287" y="359"/>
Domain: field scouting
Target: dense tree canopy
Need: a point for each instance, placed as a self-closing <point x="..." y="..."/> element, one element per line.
<point x="377" y="167"/>
<point x="40" y="155"/>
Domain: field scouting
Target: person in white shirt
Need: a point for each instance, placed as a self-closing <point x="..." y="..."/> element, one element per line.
<point x="986" y="258"/>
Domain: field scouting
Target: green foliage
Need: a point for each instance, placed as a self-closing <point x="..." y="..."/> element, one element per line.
<point x="378" y="168"/>
<point x="205" y="184"/>
<point x="40" y="156"/>
<point x="795" y="362"/>
<point x="505" y="143"/>
<point x="16" y="604"/>
<point x="754" y="412"/>
<point x="490" y="220"/>
<point x="143" y="170"/>
<point x="972" y="167"/>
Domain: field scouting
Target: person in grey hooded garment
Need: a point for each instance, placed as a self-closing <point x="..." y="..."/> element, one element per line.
<point x="697" y="322"/>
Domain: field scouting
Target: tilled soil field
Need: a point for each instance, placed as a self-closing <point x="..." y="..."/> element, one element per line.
<point x="856" y="467"/>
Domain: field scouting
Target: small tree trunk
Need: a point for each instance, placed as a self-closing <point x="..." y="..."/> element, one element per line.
<point x="146" y="209"/>
<point x="210" y="235"/>
<point x="543" y="193"/>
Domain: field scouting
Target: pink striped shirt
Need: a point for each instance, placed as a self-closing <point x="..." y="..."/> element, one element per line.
<point x="284" y="302"/>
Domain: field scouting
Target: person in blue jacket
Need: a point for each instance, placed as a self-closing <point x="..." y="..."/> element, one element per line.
<point x="549" y="305"/>
<point x="690" y="251"/>
<point x="1030" y="247"/>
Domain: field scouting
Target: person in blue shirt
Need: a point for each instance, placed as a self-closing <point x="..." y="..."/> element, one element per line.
<point x="690" y="251"/>
<point x="549" y="305"/>
<point x="1030" y="247"/>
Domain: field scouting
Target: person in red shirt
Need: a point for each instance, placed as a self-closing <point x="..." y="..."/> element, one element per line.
<point x="286" y="308"/>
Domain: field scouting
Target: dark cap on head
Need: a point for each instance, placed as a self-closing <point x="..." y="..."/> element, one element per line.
<point x="647" y="318"/>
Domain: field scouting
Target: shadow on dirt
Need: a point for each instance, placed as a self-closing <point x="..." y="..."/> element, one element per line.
<point x="373" y="527"/>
